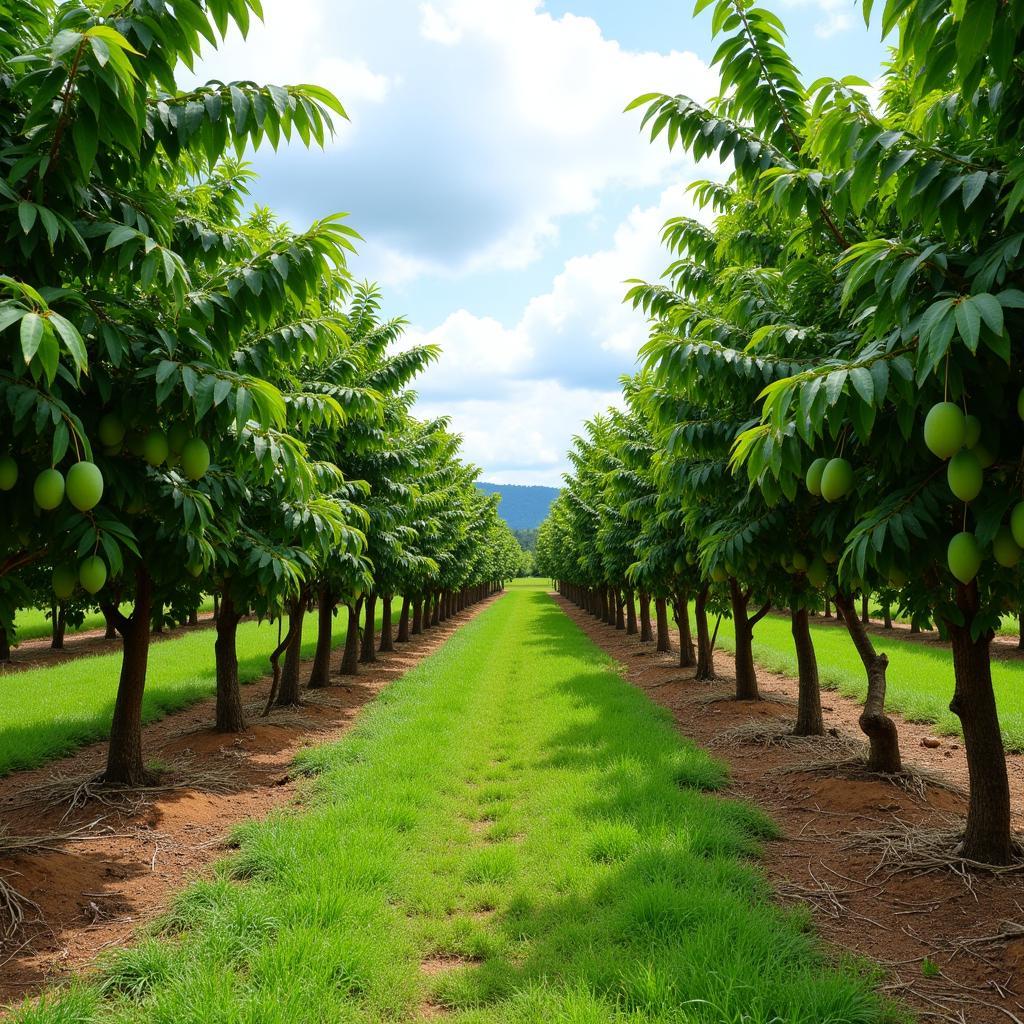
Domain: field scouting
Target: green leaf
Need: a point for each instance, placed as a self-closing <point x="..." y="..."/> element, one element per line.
<point x="10" y="315"/>
<point x="60" y="442"/>
<point x="991" y="311"/>
<point x="1011" y="298"/>
<point x="27" y="216"/>
<point x="64" y="42"/>
<point x="834" y="384"/>
<point x="974" y="185"/>
<point x="49" y="352"/>
<point x="166" y="369"/>
<point x="326" y="98"/>
<point x="968" y="323"/>
<point x="31" y="335"/>
<point x="111" y="36"/>
<point x="120" y="234"/>
<point x="72" y="339"/>
<point x="863" y="383"/>
<point x="974" y="34"/>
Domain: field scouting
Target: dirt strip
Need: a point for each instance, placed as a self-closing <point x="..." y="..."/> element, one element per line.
<point x="860" y="852"/>
<point x="101" y="870"/>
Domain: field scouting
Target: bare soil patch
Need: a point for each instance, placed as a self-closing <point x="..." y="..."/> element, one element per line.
<point x="951" y="944"/>
<point x="105" y="868"/>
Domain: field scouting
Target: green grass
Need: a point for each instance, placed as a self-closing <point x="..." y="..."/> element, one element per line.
<point x="51" y="711"/>
<point x="920" y="678"/>
<point x="33" y="623"/>
<point x="1009" y="625"/>
<point x="514" y="813"/>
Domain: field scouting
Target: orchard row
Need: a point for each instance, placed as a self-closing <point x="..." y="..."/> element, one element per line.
<point x="196" y="398"/>
<point x="829" y="403"/>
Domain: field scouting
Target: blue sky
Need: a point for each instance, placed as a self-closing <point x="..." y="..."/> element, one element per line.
<point x="503" y="196"/>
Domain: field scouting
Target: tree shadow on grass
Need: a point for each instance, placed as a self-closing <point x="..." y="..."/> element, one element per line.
<point x="655" y="912"/>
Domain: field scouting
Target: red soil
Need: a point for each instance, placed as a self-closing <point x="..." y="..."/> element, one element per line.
<point x="94" y="890"/>
<point x="840" y="853"/>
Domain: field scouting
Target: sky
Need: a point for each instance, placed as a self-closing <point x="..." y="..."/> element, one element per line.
<point x="503" y="196"/>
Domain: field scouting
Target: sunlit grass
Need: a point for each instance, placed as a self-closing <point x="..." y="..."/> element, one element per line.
<point x="920" y="677"/>
<point x="33" y="623"/>
<point x="513" y="817"/>
<point x="48" y="712"/>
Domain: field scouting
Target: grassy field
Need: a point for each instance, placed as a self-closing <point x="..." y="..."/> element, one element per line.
<point x="1009" y="625"/>
<point x="33" y="623"/>
<point x="48" y="712"/>
<point x="920" y="677"/>
<point x="511" y="835"/>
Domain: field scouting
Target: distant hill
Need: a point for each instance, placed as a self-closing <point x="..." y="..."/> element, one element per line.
<point x="522" y="507"/>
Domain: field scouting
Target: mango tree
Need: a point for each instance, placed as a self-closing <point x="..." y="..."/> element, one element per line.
<point x="125" y="301"/>
<point x="921" y="201"/>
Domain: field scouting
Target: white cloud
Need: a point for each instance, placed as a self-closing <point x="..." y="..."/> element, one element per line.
<point x="522" y="437"/>
<point x="477" y="128"/>
<point x="536" y="381"/>
<point x="835" y="15"/>
<point x="354" y="79"/>
<point x="437" y="28"/>
<point x="478" y="355"/>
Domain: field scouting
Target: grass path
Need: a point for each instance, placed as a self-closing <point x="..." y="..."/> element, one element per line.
<point x="50" y="711"/>
<point x="511" y="835"/>
<point x="920" y="677"/>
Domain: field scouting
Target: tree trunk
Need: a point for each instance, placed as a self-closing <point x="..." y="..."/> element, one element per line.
<point x="124" y="754"/>
<point x="661" y="617"/>
<point x="60" y="619"/>
<point x="646" y="635"/>
<point x="229" y="717"/>
<point x="320" y="675"/>
<point x="808" y="706"/>
<point x="435" y="615"/>
<point x="681" y="605"/>
<point x="620" y="610"/>
<point x="368" y="649"/>
<point x="746" y="674"/>
<point x="865" y="609"/>
<point x="289" y="693"/>
<point x="110" y="633"/>
<point x="887" y="615"/>
<point x="193" y="617"/>
<point x="1020" y="631"/>
<point x="387" y="641"/>
<point x="350" y="657"/>
<point x="828" y="609"/>
<point x="417" y="616"/>
<point x="216" y="606"/>
<point x="5" y="647"/>
<point x="630" y="614"/>
<point x="403" y="621"/>
<point x="874" y="722"/>
<point x="705" y="648"/>
<point x="158" y="619"/>
<point x="987" y="836"/>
